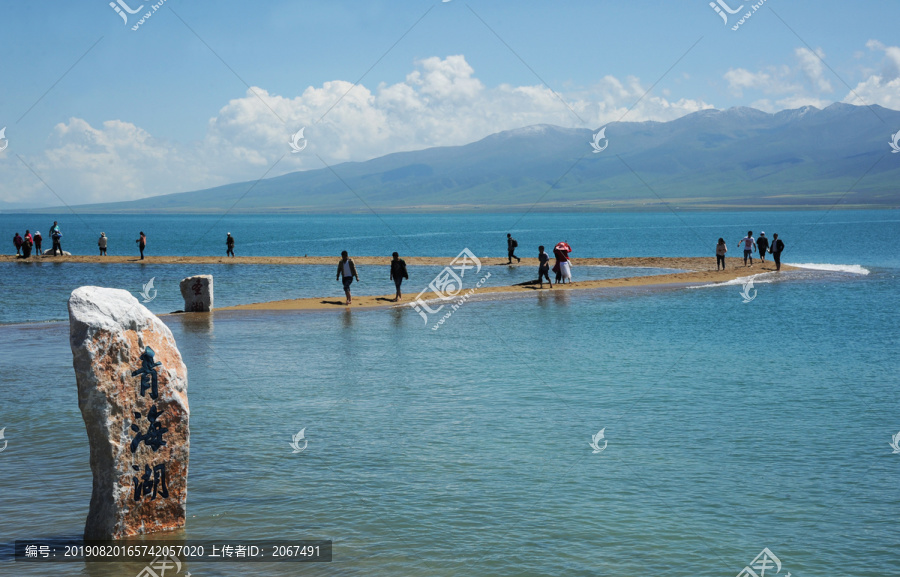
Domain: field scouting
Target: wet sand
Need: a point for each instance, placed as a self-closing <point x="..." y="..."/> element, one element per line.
<point x="689" y="270"/>
<point x="696" y="271"/>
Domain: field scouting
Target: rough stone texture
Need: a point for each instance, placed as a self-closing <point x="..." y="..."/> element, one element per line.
<point x="197" y="292"/>
<point x="109" y="330"/>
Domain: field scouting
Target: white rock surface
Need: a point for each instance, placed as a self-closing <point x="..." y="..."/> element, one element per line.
<point x="109" y="331"/>
<point x="197" y="292"/>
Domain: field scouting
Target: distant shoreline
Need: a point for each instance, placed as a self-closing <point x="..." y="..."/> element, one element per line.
<point x="651" y="206"/>
<point x="683" y="263"/>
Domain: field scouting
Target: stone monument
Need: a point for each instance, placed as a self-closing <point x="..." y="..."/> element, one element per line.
<point x="197" y="292"/>
<point x="132" y="391"/>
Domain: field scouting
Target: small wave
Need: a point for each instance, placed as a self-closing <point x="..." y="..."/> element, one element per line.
<point x="850" y="268"/>
<point x="761" y="278"/>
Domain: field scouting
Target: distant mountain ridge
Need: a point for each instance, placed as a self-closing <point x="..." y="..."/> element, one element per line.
<point x="740" y="157"/>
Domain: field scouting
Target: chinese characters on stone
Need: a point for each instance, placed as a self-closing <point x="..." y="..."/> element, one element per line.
<point x="153" y="481"/>
<point x="149" y="376"/>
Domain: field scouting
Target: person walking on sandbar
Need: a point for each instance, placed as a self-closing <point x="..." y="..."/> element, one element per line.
<point x="17" y="241"/>
<point x="101" y="243"/>
<point x="142" y="244"/>
<point x="749" y="245"/>
<point x="398" y="273"/>
<point x="346" y="270"/>
<point x="511" y="245"/>
<point x="721" y="249"/>
<point x="229" y="244"/>
<point x="762" y="244"/>
<point x="38" y="239"/>
<point x="776" y="250"/>
<point x="543" y="266"/>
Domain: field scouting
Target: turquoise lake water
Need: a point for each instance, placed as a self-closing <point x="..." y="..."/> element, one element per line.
<point x="731" y="426"/>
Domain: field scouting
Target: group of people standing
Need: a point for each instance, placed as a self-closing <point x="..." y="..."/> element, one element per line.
<point x="25" y="245"/>
<point x="562" y="268"/>
<point x="749" y="245"/>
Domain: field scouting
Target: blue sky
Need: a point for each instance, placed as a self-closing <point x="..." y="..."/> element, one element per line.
<point x="165" y="108"/>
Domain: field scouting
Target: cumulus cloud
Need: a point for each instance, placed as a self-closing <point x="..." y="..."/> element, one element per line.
<point x="441" y="102"/>
<point x="883" y="87"/>
<point x="775" y="80"/>
<point x="802" y="84"/>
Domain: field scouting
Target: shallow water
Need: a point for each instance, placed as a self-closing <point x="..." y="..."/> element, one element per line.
<point x="232" y="284"/>
<point x="731" y="427"/>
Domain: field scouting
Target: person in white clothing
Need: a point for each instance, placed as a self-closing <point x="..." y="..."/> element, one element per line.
<point x="346" y="270"/>
<point x="749" y="245"/>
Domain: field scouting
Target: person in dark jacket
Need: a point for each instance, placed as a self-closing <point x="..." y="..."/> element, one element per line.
<point x="142" y="243"/>
<point x="398" y="273"/>
<point x="762" y="245"/>
<point x="776" y="249"/>
<point x="229" y="244"/>
<point x="17" y="240"/>
<point x="56" y="235"/>
<point x="27" y="243"/>
<point x="511" y="245"/>
<point x="544" y="266"/>
<point x="38" y="239"/>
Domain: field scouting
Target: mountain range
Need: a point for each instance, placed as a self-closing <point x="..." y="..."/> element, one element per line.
<point x="711" y="159"/>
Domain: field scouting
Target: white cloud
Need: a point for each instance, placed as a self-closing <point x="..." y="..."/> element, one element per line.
<point x="775" y="80"/>
<point x="440" y="103"/>
<point x="881" y="88"/>
<point x="809" y="76"/>
<point x="812" y="65"/>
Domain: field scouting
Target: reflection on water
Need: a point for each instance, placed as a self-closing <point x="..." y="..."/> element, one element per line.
<point x="347" y="318"/>
<point x="199" y="323"/>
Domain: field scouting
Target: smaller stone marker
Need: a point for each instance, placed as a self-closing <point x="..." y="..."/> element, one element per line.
<point x="198" y="293"/>
<point x="132" y="391"/>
